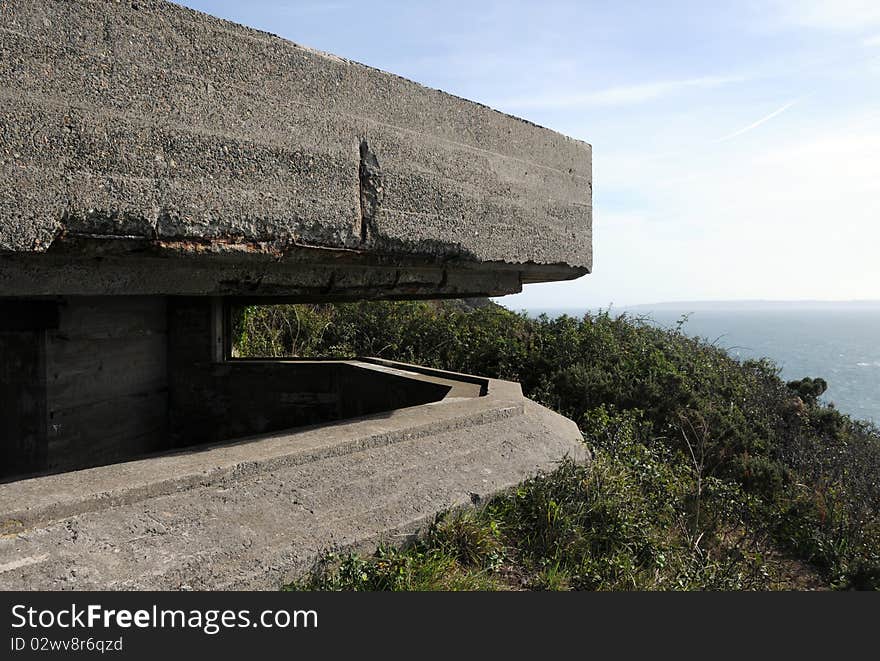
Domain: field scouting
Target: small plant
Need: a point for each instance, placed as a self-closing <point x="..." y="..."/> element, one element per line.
<point x="469" y="539"/>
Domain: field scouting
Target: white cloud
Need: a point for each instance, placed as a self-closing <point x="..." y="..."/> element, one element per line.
<point x="843" y="15"/>
<point x="619" y="95"/>
<point x="792" y="216"/>
<point x="757" y="123"/>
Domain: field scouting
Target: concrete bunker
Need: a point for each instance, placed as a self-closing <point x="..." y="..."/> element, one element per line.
<point x="89" y="381"/>
<point x="158" y="165"/>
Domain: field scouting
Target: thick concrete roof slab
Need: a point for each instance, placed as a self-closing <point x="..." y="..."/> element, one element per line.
<point x="140" y="130"/>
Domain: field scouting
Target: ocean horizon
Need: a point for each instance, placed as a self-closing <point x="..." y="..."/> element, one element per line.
<point x="837" y="341"/>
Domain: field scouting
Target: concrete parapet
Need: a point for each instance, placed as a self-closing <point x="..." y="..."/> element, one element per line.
<point x="257" y="513"/>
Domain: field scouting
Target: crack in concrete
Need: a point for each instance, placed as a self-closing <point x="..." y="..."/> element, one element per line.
<point x="371" y="188"/>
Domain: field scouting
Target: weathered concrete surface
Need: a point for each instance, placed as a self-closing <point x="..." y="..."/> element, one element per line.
<point x="256" y="514"/>
<point x="147" y="148"/>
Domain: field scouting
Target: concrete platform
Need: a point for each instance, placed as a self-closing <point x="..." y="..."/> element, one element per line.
<point x="256" y="513"/>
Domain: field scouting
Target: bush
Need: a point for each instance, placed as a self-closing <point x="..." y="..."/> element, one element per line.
<point x="736" y="463"/>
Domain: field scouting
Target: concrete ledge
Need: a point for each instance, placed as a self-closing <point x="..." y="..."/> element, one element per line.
<point x="40" y="500"/>
<point x="257" y="513"/>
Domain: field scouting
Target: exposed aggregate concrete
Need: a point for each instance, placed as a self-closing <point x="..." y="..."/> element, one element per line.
<point x="145" y="127"/>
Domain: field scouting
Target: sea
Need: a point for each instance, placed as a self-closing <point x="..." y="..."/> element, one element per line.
<point x="839" y="342"/>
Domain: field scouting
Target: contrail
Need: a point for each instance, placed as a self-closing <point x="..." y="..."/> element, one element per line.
<point x="756" y="124"/>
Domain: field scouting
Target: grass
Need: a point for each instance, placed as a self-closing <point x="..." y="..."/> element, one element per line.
<point x="575" y="528"/>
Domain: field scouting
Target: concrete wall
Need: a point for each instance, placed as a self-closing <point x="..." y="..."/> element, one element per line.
<point x="212" y="401"/>
<point x="106" y="380"/>
<point x="237" y="399"/>
<point x="86" y="381"/>
<point x="22" y="402"/>
<point x="83" y="381"/>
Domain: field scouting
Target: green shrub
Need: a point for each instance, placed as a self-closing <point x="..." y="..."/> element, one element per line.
<point x="705" y="466"/>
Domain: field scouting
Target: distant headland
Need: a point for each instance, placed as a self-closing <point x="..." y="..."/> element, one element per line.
<point x="757" y="304"/>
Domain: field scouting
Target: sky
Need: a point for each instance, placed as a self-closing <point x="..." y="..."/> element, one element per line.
<point x="736" y="146"/>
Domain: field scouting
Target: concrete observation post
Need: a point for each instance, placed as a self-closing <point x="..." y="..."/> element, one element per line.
<point x="158" y="168"/>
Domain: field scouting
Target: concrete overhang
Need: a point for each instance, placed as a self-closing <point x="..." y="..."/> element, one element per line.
<point x="149" y="149"/>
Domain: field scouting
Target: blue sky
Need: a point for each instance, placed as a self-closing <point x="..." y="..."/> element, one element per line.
<point x="736" y="146"/>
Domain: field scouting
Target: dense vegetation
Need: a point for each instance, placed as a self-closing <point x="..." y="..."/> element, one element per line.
<point x="708" y="474"/>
